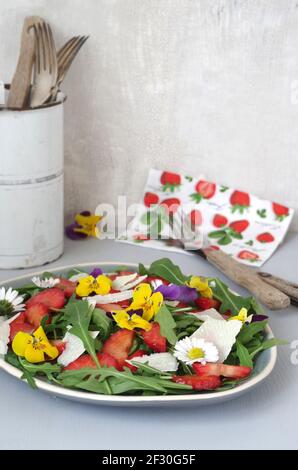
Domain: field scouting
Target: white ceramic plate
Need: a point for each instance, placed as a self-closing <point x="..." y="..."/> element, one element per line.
<point x="264" y="365"/>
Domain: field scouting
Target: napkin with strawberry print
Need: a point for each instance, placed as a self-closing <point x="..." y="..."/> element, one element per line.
<point x="243" y="225"/>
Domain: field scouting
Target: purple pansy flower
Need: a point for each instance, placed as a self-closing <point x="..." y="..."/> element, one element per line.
<point x="96" y="272"/>
<point x="72" y="233"/>
<point x="182" y="293"/>
<point x="256" y="318"/>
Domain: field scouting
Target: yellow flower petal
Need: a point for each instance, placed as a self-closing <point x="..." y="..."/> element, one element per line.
<point x="34" y="354"/>
<point x="201" y="285"/>
<point x="141" y="295"/>
<point x="84" y="287"/>
<point x="87" y="219"/>
<point x="139" y="322"/>
<point x="21" y="342"/>
<point x="242" y="315"/>
<point x="103" y="285"/>
<point x="43" y="343"/>
<point x="123" y="320"/>
<point x="153" y="305"/>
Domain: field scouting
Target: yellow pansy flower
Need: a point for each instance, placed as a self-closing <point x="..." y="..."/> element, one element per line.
<point x="34" y="347"/>
<point x="242" y="315"/>
<point x="201" y="285"/>
<point x="145" y="300"/>
<point x="87" y="285"/>
<point x="88" y="224"/>
<point x="124" y="320"/>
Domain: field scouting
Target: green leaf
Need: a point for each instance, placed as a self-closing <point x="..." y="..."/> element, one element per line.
<point x="217" y="234"/>
<point x="225" y="240"/>
<point x="235" y="234"/>
<point x="243" y="355"/>
<point x="249" y="331"/>
<point x="231" y="301"/>
<point x="78" y="314"/>
<point x="168" y="270"/>
<point x="102" y="322"/>
<point x="270" y="343"/>
<point x="142" y="270"/>
<point x="167" y="324"/>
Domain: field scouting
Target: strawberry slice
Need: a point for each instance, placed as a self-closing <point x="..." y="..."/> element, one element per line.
<point x="109" y="307"/>
<point x="154" y="340"/>
<point x="68" y="287"/>
<point x="35" y="313"/>
<point x="138" y="353"/>
<point x="232" y="372"/>
<point x="204" y="304"/>
<point x="59" y="344"/>
<point x="119" y="344"/>
<point x="203" y="382"/>
<point x="20" y="324"/>
<point x="87" y="361"/>
<point x="53" y="298"/>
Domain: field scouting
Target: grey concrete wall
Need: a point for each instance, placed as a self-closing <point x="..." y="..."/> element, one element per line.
<point x="190" y="85"/>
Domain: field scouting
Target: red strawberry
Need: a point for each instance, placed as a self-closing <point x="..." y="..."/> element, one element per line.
<point x="138" y="353"/>
<point x="59" y="344"/>
<point x="204" y="304"/>
<point x="68" y="287"/>
<point x="265" y="237"/>
<point x="209" y="382"/>
<point x="109" y="307"/>
<point x="53" y="298"/>
<point x="220" y="221"/>
<point x="154" y="340"/>
<point x="280" y="211"/>
<point x="20" y="324"/>
<point x="196" y="217"/>
<point x="150" y="199"/>
<point x="248" y="255"/>
<point x="87" y="361"/>
<point x="171" y="205"/>
<point x="141" y="237"/>
<point x="35" y="313"/>
<point x="125" y="273"/>
<point x="239" y="225"/>
<point x="204" y="190"/>
<point x="119" y="344"/>
<point x="170" y="181"/>
<point x="233" y="372"/>
<point x="240" y="201"/>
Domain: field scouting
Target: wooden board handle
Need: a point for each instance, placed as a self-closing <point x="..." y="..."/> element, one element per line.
<point x="247" y="277"/>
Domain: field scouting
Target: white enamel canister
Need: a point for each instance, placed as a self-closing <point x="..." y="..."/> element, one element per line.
<point x="31" y="186"/>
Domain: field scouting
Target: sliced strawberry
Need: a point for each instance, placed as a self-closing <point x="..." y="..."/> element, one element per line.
<point x="53" y="298"/>
<point x="59" y="344"/>
<point x="154" y="340"/>
<point x="204" y="304"/>
<point x="119" y="344"/>
<point x="19" y="324"/>
<point x="220" y="221"/>
<point x="35" y="313"/>
<point x="232" y="372"/>
<point x="67" y="286"/>
<point x="125" y="273"/>
<point x="109" y="307"/>
<point x="209" y="382"/>
<point x="138" y="353"/>
<point x="87" y="361"/>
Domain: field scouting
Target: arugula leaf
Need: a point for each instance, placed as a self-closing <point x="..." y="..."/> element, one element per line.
<point x="102" y="322"/>
<point x="231" y="301"/>
<point x="78" y="314"/>
<point x="142" y="270"/>
<point x="270" y="343"/>
<point x="169" y="271"/>
<point x="243" y="355"/>
<point x="249" y="331"/>
<point x="167" y="324"/>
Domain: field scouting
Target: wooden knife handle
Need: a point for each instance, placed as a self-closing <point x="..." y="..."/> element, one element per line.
<point x="247" y="277"/>
<point x="20" y="86"/>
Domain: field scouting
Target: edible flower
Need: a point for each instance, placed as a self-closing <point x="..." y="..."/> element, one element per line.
<point x="144" y="299"/>
<point x="201" y="285"/>
<point x="242" y="316"/>
<point x="85" y="225"/>
<point x="184" y="294"/>
<point x="87" y="285"/>
<point x="190" y="350"/>
<point x="34" y="347"/>
<point x="10" y="301"/>
<point x="45" y="283"/>
<point x="130" y="322"/>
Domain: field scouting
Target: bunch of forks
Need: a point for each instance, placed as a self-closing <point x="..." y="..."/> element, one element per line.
<point x="39" y="60"/>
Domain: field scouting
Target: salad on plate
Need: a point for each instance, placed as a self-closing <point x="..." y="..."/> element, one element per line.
<point x="155" y="331"/>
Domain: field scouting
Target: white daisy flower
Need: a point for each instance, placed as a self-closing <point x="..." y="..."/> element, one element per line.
<point x="4" y="336"/>
<point x="45" y="283"/>
<point x="10" y="301"/>
<point x="190" y="350"/>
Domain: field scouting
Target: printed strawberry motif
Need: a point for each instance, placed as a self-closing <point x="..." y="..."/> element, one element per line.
<point x="232" y="372"/>
<point x="196" y="218"/>
<point x="170" y="181"/>
<point x="248" y="256"/>
<point x="280" y="211"/>
<point x="154" y="340"/>
<point x="204" y="190"/>
<point x="239" y="225"/>
<point x="265" y="237"/>
<point x="220" y="221"/>
<point x="150" y="199"/>
<point x="239" y="201"/>
<point x="141" y="237"/>
<point x="197" y="382"/>
<point x="234" y="230"/>
<point x="171" y="205"/>
<point x="262" y="213"/>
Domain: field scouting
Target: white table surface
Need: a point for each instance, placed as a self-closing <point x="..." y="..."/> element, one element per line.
<point x="265" y="418"/>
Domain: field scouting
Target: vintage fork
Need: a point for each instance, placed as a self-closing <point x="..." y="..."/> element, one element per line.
<point x="46" y="65"/>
